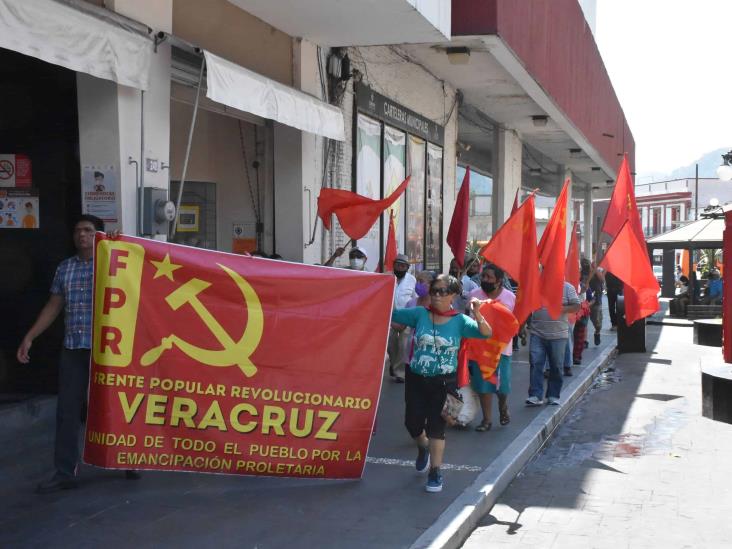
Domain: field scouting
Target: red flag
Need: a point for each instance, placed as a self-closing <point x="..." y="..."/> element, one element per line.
<point x="457" y="235"/>
<point x="572" y="266"/>
<point x="627" y="258"/>
<point x="622" y="209"/>
<point x="208" y="347"/>
<point x="487" y="352"/>
<point x="515" y="202"/>
<point x="356" y="213"/>
<point x="551" y="256"/>
<point x="513" y="248"/>
<point x="391" y="247"/>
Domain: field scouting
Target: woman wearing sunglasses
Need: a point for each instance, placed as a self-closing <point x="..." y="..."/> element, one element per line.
<point x="438" y="331"/>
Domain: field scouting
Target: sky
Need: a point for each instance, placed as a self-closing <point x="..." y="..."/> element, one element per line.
<point x="670" y="65"/>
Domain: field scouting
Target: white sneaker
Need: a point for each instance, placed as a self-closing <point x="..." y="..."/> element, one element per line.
<point x="552" y="401"/>
<point x="534" y="401"/>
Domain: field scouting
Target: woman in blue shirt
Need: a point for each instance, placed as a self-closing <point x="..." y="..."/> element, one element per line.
<point x="438" y="331"/>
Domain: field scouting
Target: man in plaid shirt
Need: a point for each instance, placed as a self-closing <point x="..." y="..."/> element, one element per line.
<point x="71" y="291"/>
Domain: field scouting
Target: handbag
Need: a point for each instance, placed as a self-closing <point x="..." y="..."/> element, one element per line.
<point x="452" y="407"/>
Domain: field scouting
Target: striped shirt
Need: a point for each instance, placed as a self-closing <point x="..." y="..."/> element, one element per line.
<point x="73" y="281"/>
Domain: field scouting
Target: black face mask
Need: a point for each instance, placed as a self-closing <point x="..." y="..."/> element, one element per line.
<point x="488" y="287"/>
<point x="400" y="274"/>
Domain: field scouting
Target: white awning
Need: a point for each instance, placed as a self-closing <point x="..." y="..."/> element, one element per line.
<point x="237" y="87"/>
<point x="77" y="39"/>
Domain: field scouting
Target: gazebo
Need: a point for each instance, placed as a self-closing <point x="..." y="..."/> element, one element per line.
<point x="704" y="233"/>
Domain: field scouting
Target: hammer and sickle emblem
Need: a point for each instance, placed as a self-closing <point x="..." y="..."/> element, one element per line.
<point x="233" y="352"/>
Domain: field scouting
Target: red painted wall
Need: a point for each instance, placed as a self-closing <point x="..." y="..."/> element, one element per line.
<point x="553" y="41"/>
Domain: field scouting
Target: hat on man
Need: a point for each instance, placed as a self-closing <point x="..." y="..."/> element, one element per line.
<point x="359" y="249"/>
<point x="401" y="258"/>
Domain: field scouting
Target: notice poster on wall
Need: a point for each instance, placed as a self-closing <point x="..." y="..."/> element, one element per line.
<point x="368" y="180"/>
<point x="15" y="170"/>
<point x="99" y="192"/>
<point x="19" y="209"/>
<point x="395" y="146"/>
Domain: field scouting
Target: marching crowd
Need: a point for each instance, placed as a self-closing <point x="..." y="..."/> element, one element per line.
<point x="432" y="314"/>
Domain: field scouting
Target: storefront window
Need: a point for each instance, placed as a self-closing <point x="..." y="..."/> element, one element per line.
<point x="415" y="202"/>
<point x="433" y="211"/>
<point x="394" y="173"/>
<point x="481" y="190"/>
<point x="368" y="179"/>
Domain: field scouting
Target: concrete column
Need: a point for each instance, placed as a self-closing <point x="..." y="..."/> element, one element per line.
<point x="507" y="174"/>
<point x="588" y="228"/>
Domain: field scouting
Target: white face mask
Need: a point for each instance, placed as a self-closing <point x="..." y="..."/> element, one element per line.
<point x="357" y="263"/>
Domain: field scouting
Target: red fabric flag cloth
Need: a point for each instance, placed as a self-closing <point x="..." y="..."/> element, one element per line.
<point x="457" y="235"/>
<point x="391" y="247"/>
<point x="622" y="209"/>
<point x="515" y="202"/>
<point x="627" y="259"/>
<point x="572" y="266"/>
<point x="356" y="213"/>
<point x="487" y="352"/>
<point x="551" y="256"/>
<point x="513" y="249"/>
<point x="208" y="343"/>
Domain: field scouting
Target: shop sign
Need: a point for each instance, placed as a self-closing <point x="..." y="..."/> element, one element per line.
<point x="382" y="108"/>
<point x="15" y="170"/>
<point x="99" y="192"/>
<point x="19" y="209"/>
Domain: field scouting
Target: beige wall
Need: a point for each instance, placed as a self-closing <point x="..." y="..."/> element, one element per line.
<point x="216" y="156"/>
<point x="226" y="30"/>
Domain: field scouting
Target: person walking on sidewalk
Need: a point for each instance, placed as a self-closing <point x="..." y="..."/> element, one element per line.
<point x="71" y="292"/>
<point x="614" y="288"/>
<point x="492" y="287"/>
<point x="438" y="331"/>
<point x="597" y="284"/>
<point x="398" y="334"/>
<point x="548" y="342"/>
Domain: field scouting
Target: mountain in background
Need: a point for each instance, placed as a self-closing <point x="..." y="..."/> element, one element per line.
<point x="708" y="165"/>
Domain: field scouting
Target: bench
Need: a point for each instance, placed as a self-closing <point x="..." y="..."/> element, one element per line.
<point x="694" y="312"/>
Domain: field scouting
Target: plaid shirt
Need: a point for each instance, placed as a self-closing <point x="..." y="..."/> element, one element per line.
<point x="73" y="281"/>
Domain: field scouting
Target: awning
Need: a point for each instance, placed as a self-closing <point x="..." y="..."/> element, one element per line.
<point x="704" y="233"/>
<point x="78" y="38"/>
<point x="242" y="89"/>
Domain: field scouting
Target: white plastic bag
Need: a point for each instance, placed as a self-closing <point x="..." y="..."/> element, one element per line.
<point x="471" y="405"/>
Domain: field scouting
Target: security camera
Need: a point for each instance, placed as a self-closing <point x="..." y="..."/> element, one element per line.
<point x="160" y="35"/>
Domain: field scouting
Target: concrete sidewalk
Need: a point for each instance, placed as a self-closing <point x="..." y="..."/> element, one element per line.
<point x="633" y="465"/>
<point x="387" y="508"/>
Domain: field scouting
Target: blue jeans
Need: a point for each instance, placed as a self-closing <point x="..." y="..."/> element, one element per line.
<point x="541" y="350"/>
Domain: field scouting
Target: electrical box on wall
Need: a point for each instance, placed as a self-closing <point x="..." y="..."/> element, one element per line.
<point x="157" y="211"/>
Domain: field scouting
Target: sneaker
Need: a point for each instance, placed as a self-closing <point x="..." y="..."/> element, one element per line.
<point x="613" y="328"/>
<point x="577" y="361"/>
<point x="422" y="462"/>
<point x="568" y="372"/>
<point x="56" y="483"/>
<point x="552" y="401"/>
<point x="534" y="401"/>
<point x="597" y="338"/>
<point x="587" y="344"/>
<point x="434" y="481"/>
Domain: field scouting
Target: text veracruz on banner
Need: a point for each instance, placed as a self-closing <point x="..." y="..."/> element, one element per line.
<point x="212" y="362"/>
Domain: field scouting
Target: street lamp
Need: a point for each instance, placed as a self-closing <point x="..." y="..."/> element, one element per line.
<point x="724" y="172"/>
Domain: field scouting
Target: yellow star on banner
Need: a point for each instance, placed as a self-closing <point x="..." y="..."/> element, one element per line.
<point x="165" y="268"/>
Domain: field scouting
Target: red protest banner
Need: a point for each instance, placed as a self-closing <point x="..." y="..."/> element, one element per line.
<point x="213" y="362"/>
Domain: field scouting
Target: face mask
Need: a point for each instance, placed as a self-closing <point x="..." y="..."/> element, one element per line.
<point x="487" y="287"/>
<point x="400" y="274"/>
<point x="422" y="289"/>
<point x="357" y="263"/>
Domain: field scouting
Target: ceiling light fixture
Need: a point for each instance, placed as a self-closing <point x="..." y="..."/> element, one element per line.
<point x="596" y="168"/>
<point x="575" y="153"/>
<point x="540" y="120"/>
<point x="535" y="171"/>
<point x="458" y="55"/>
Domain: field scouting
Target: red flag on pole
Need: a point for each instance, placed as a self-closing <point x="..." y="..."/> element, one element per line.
<point x="513" y="248"/>
<point x="572" y="266"/>
<point x="515" y="202"/>
<point x="356" y="213"/>
<point x="391" y="246"/>
<point x="621" y="210"/>
<point x="627" y="259"/>
<point x="551" y="256"/>
<point x="457" y="235"/>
